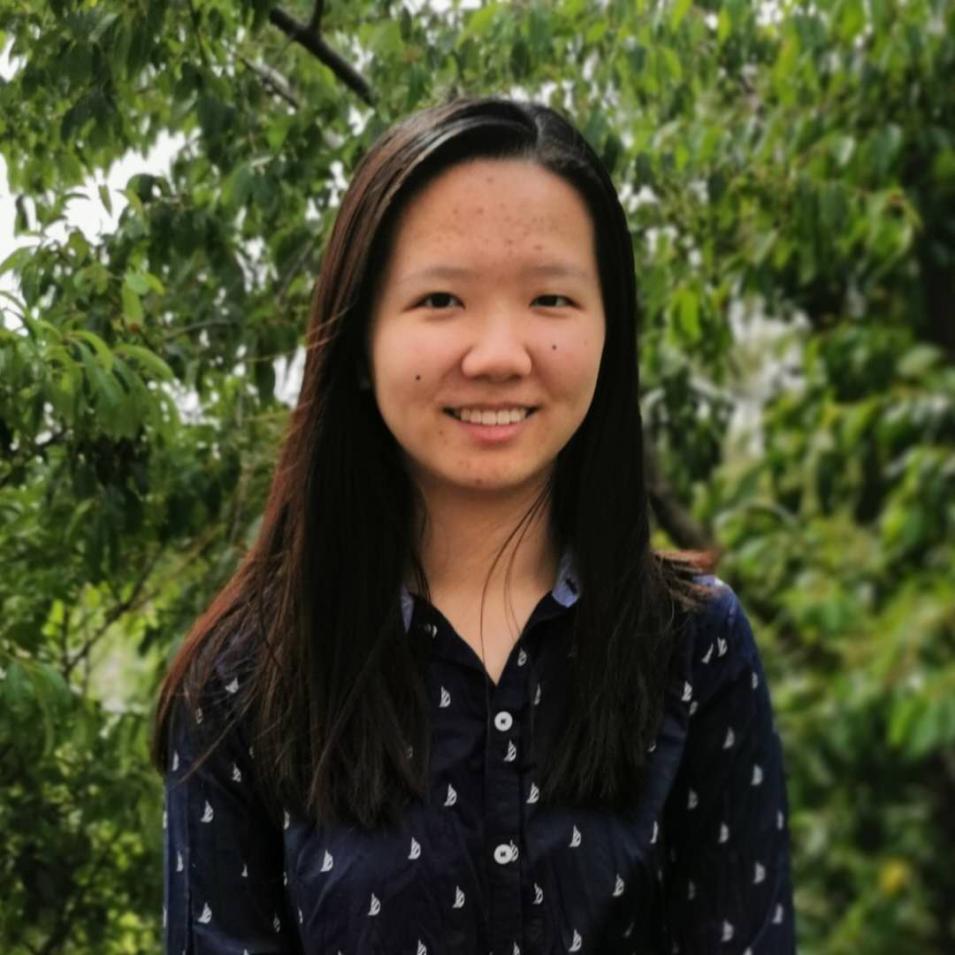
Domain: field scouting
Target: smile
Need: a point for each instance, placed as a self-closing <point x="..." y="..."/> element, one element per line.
<point x="488" y="416"/>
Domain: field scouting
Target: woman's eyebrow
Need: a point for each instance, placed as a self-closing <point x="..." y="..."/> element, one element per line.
<point x="547" y="269"/>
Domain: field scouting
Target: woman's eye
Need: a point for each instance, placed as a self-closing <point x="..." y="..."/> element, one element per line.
<point x="439" y="300"/>
<point x="553" y="301"/>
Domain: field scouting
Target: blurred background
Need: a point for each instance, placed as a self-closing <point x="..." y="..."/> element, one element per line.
<point x="172" y="168"/>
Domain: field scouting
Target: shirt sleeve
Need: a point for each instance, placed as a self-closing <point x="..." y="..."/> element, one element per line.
<point x="728" y="887"/>
<point x="224" y="871"/>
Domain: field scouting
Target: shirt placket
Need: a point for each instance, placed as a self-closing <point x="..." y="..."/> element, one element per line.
<point x="502" y="779"/>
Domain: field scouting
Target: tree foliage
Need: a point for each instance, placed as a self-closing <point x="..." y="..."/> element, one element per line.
<point x="789" y="172"/>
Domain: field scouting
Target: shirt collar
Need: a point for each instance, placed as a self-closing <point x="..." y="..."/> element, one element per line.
<point x="565" y="591"/>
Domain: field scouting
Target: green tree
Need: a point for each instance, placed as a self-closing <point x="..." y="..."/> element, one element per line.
<point x="788" y="168"/>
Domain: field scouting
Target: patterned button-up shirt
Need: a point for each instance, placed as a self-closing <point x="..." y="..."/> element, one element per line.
<point x="700" y="865"/>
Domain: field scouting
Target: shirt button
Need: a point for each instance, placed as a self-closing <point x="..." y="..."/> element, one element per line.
<point x="503" y="721"/>
<point x="503" y="854"/>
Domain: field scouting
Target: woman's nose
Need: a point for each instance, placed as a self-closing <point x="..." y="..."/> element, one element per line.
<point x="498" y="350"/>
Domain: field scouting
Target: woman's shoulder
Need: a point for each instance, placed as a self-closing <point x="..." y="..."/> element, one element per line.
<point x="214" y="692"/>
<point x="720" y="644"/>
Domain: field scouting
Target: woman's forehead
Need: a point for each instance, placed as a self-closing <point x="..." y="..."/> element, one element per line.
<point x="493" y="205"/>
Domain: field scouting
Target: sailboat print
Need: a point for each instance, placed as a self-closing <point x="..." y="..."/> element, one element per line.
<point x="445" y="699"/>
<point x="233" y="685"/>
<point x="577" y="943"/>
<point x="778" y="914"/>
<point x="724" y="832"/>
<point x="207" y="814"/>
<point x="727" y="931"/>
<point x="245" y="870"/>
<point x="206" y="916"/>
<point x="175" y="760"/>
<point x="516" y="950"/>
<point x="692" y="800"/>
<point x="458" y="898"/>
<point x="628" y="931"/>
<point x="301" y="921"/>
<point x="452" y="796"/>
<point x="759" y="874"/>
<point x="538" y="894"/>
<point x="422" y="948"/>
<point x="618" y="887"/>
<point x="198" y="714"/>
<point x="575" y="838"/>
<point x="720" y="647"/>
<point x="534" y="794"/>
<point x="375" y="906"/>
<point x="521" y="658"/>
<point x="755" y="680"/>
<point x="708" y="654"/>
<point x="730" y="738"/>
<point x="656" y="833"/>
<point x="691" y="890"/>
<point x="328" y="860"/>
<point x="687" y="691"/>
<point x="415" y="852"/>
<point x="537" y="695"/>
<point x="276" y="924"/>
<point x="511" y="753"/>
<point x="757" y="774"/>
<point x="236" y="773"/>
<point x="286" y="819"/>
<point x="179" y="866"/>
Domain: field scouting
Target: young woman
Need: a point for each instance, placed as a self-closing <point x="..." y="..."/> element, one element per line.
<point x="452" y="702"/>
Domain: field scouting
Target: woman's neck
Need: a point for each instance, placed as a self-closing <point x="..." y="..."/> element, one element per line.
<point x="469" y="540"/>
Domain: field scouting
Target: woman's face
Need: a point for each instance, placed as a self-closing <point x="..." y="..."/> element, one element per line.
<point x="487" y="327"/>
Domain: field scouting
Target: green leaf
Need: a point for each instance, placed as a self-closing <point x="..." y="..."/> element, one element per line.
<point x="147" y="359"/>
<point x="137" y="282"/>
<point x="100" y="347"/>
<point x="132" y="306"/>
<point x="104" y="197"/>
<point x="678" y="12"/>
<point x="17" y="259"/>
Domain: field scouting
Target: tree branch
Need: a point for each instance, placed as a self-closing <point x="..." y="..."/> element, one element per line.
<point x="315" y="21"/>
<point x="273" y="80"/>
<point x="114" y="614"/>
<point x="308" y="35"/>
<point x="684" y="530"/>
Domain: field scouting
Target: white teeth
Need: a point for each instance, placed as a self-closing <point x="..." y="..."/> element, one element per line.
<point x="476" y="416"/>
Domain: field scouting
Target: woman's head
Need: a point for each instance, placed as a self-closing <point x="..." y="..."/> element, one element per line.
<point x="558" y="206"/>
<point x="487" y="328"/>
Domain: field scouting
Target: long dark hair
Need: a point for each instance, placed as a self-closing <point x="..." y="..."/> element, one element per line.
<point x="330" y="688"/>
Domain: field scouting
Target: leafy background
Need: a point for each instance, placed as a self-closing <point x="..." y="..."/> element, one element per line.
<point x="789" y="172"/>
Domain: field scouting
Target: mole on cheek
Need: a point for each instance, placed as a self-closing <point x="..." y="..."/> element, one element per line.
<point x="554" y="347"/>
<point x="418" y="377"/>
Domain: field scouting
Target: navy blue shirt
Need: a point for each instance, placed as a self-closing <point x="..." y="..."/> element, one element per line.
<point x="700" y="865"/>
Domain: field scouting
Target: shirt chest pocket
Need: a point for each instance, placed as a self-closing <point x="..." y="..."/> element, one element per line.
<point x="381" y="893"/>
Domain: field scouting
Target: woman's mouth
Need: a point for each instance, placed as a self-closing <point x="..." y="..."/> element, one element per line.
<point x="490" y="416"/>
